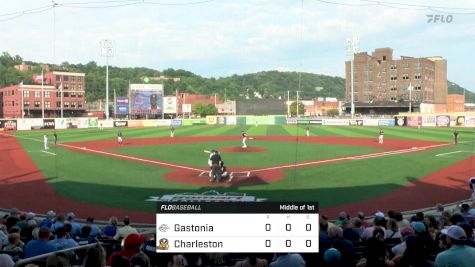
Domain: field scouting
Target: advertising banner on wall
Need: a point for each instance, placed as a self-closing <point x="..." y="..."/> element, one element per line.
<point x="60" y="123"/>
<point x="10" y="125"/>
<point x="231" y="120"/>
<point x="23" y="124"/>
<point x="460" y="121"/>
<point x="211" y="120"/>
<point x="469" y="121"/>
<point x="186" y="108"/>
<point x="414" y="121"/>
<point x="146" y="98"/>
<point x="92" y="122"/>
<point x="150" y="123"/>
<point x="386" y="123"/>
<point x="370" y="122"/>
<point x="336" y="122"/>
<point x="71" y="123"/>
<point x="356" y="122"/>
<point x="400" y="121"/>
<point x="169" y="104"/>
<point x="48" y="124"/>
<point x="36" y="124"/>
<point x="429" y="121"/>
<point x="442" y="121"/>
<point x="176" y="122"/>
<point x="106" y="123"/>
<point x="121" y="123"/>
<point x="121" y="105"/>
<point x="135" y="123"/>
<point x="83" y="122"/>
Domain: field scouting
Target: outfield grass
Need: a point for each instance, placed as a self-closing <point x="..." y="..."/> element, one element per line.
<point x="119" y="183"/>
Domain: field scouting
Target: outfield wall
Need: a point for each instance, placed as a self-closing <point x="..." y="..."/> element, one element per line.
<point x="82" y="123"/>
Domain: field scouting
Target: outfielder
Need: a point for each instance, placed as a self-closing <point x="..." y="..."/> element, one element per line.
<point x="244" y="138"/>
<point x="381" y="136"/>
<point x="45" y="141"/>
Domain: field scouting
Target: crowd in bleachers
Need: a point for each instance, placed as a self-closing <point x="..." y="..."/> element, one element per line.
<point x="443" y="238"/>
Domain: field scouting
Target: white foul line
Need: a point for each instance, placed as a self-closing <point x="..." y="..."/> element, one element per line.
<point x="448" y="153"/>
<point x="132" y="158"/>
<point x="47" y="152"/>
<point x="367" y="156"/>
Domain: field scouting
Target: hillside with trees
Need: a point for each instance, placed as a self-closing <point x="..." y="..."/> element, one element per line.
<point x="265" y="84"/>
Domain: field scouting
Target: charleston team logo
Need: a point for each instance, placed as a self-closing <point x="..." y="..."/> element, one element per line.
<point x="163" y="244"/>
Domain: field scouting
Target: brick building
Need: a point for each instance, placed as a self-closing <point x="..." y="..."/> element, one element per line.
<point x="70" y="85"/>
<point x="455" y="103"/>
<point x="381" y="83"/>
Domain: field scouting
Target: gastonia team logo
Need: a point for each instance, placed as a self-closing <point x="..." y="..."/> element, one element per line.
<point x="163" y="244"/>
<point x="163" y="228"/>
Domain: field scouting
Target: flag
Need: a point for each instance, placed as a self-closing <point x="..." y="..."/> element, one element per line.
<point x="38" y="77"/>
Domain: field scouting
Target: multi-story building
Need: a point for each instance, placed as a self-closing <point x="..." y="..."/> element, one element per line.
<point x="62" y="91"/>
<point x="382" y="84"/>
<point x="455" y="103"/>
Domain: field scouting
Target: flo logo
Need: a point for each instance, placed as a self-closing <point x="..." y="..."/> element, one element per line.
<point x="431" y="18"/>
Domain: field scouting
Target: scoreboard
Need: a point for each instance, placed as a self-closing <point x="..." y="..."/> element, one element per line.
<point x="237" y="227"/>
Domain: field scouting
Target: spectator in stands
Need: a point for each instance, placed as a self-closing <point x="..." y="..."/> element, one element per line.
<point x="358" y="226"/>
<point x="95" y="230"/>
<point x="119" y="261"/>
<point x="378" y="221"/>
<point x="140" y="260"/>
<point x="124" y="231"/>
<point x="414" y="255"/>
<point x="379" y="233"/>
<point x="22" y="223"/>
<point x="95" y="257"/>
<point x="48" y="221"/>
<point x="375" y="254"/>
<point x="393" y="230"/>
<point x="420" y="216"/>
<point x="3" y="235"/>
<point x="286" y="260"/>
<point x="59" y="259"/>
<point x="439" y="210"/>
<point x="6" y="261"/>
<point x="251" y="261"/>
<point x="346" y="247"/>
<point x="85" y="236"/>
<point x="332" y="258"/>
<point x="422" y="234"/>
<point x="14" y="243"/>
<point x="131" y="246"/>
<point x="391" y="214"/>
<point x="110" y="230"/>
<point x="458" y="254"/>
<point x="401" y="222"/>
<point x="364" y="223"/>
<point x="12" y="219"/>
<point x="30" y="217"/>
<point x="59" y="222"/>
<point x="432" y="225"/>
<point x="399" y="249"/>
<point x="40" y="246"/>
<point x="178" y="260"/>
<point x="342" y="216"/>
<point x="196" y="260"/>
<point x="75" y="227"/>
<point x="349" y="232"/>
<point x="61" y="242"/>
<point x="469" y="232"/>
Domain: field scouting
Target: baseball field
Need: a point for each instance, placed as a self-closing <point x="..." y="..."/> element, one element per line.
<point x="344" y="168"/>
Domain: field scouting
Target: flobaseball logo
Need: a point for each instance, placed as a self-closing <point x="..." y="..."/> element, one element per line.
<point x="431" y="18"/>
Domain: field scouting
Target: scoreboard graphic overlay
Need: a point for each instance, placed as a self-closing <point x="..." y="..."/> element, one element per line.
<point x="209" y="227"/>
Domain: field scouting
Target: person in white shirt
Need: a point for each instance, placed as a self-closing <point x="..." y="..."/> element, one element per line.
<point x="124" y="231"/>
<point x="45" y="140"/>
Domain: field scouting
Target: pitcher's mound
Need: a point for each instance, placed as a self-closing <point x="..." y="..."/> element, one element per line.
<point x="240" y="149"/>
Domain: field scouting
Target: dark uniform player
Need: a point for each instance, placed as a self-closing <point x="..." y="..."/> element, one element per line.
<point x="456" y="137"/>
<point x="215" y="160"/>
<point x="55" y="137"/>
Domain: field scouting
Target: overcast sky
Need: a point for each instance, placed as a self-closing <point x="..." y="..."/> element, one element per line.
<point x="225" y="37"/>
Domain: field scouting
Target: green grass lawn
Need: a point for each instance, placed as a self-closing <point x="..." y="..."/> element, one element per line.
<point x="102" y="180"/>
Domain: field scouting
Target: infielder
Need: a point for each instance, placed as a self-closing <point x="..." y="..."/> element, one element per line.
<point x="172" y="132"/>
<point x="381" y="136"/>
<point x="244" y="138"/>
<point x="119" y="138"/>
<point x="45" y="141"/>
<point x="307" y="131"/>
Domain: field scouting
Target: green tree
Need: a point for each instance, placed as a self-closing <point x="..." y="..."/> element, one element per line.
<point x="204" y="110"/>
<point x="333" y="112"/>
<point x="293" y="108"/>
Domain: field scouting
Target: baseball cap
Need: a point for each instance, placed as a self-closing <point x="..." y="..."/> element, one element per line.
<point x="418" y="227"/>
<point x="379" y="214"/>
<point x="455" y="232"/>
<point x="70" y="215"/>
<point x="14" y="211"/>
<point x="50" y="213"/>
<point x="406" y="231"/>
<point x="342" y="215"/>
<point x="332" y="255"/>
<point x="133" y="241"/>
<point x="30" y="215"/>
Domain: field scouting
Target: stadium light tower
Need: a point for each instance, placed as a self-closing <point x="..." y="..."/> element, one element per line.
<point x="107" y="52"/>
<point x="351" y="49"/>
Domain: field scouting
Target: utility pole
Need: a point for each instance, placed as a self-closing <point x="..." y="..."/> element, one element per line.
<point x="107" y="52"/>
<point x="351" y="49"/>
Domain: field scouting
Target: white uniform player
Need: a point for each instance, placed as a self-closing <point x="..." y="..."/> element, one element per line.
<point x="45" y="141"/>
<point x="381" y="136"/>
<point x="471" y="183"/>
<point x="244" y="138"/>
